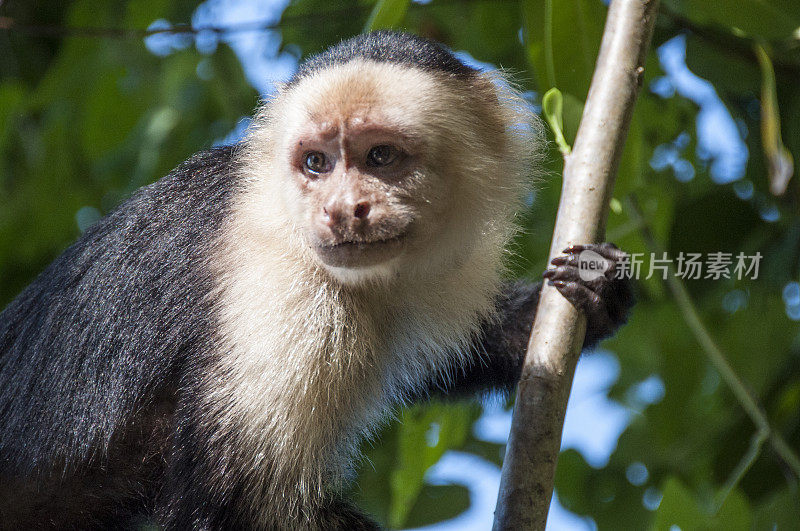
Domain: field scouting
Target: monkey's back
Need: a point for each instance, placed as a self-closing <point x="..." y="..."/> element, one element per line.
<point x="87" y="351"/>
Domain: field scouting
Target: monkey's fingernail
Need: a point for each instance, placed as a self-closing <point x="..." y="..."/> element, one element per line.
<point x="559" y="260"/>
<point x="572" y="249"/>
<point x="558" y="283"/>
<point x="548" y="273"/>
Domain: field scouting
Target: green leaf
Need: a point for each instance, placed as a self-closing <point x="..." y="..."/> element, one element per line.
<point x="310" y="26"/>
<point x="780" y="511"/>
<point x="486" y="30"/>
<point x="436" y="503"/>
<point x="730" y="73"/>
<point x="12" y="104"/>
<point x="142" y="13"/>
<point x="553" y="110"/>
<point x="106" y="104"/>
<point x="424" y="435"/>
<point x="387" y="14"/>
<point x="573" y="112"/>
<point x="604" y="495"/>
<point x="734" y="514"/>
<point x="678" y="507"/>
<point x="562" y="39"/>
<point x="767" y="19"/>
<point x="779" y="160"/>
<point x="572" y="481"/>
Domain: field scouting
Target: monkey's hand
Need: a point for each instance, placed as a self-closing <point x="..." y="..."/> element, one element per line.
<point x="588" y="276"/>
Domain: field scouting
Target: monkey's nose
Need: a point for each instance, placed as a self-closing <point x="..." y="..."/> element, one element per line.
<point x="345" y="213"/>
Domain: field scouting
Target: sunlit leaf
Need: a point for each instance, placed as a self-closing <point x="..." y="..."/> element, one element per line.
<point x="562" y="38"/>
<point x="773" y="19"/>
<point x="553" y="110"/>
<point x="679" y="508"/>
<point x="423" y="436"/>
<point x="387" y="14"/>
<point x="781" y="164"/>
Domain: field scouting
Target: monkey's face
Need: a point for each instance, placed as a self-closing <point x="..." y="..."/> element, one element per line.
<point x="357" y="151"/>
<point x="386" y="169"/>
<point x="353" y="172"/>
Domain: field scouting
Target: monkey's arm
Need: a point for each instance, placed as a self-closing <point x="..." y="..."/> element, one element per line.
<point x="498" y="353"/>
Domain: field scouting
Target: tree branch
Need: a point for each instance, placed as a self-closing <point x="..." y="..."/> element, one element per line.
<point x="529" y="467"/>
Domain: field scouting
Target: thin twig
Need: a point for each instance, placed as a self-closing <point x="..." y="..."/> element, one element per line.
<point x="747" y="460"/>
<point x="713" y="352"/>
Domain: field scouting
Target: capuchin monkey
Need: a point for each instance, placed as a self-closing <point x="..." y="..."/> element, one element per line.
<point x="211" y="353"/>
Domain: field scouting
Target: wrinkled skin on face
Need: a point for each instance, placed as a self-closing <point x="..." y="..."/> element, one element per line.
<point x="354" y="173"/>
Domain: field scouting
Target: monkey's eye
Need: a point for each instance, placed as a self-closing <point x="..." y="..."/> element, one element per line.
<point x="316" y="163"/>
<point x="382" y="155"/>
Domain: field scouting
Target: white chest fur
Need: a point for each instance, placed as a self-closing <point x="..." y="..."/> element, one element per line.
<point x="308" y="366"/>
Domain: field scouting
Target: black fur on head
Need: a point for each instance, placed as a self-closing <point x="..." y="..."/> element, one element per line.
<point x="387" y="46"/>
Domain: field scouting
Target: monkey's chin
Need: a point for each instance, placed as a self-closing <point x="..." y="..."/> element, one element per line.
<point x="359" y="261"/>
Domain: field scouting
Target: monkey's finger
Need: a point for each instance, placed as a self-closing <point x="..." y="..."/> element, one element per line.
<point x="606" y="270"/>
<point x="578" y="247"/>
<point x="609" y="251"/>
<point x="579" y="295"/>
<point x="606" y="249"/>
<point x="586" y="300"/>
<point x="566" y="259"/>
<point x="566" y="273"/>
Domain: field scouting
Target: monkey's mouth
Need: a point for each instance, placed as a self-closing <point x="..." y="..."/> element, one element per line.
<point x="350" y="253"/>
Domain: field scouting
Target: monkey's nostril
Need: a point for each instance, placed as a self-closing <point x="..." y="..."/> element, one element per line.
<point x="361" y="211"/>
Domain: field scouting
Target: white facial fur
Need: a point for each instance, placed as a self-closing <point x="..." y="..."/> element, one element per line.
<point x="314" y="356"/>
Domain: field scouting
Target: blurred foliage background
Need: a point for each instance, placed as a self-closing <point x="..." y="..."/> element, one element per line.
<point x="92" y="107"/>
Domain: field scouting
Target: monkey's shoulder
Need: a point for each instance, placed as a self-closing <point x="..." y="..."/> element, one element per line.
<point x="108" y="321"/>
<point x="142" y="250"/>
